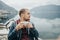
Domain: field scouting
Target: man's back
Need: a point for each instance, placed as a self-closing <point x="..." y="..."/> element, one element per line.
<point x="15" y="35"/>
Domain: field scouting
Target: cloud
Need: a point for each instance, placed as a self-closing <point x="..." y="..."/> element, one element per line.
<point x="18" y="4"/>
<point x="46" y="24"/>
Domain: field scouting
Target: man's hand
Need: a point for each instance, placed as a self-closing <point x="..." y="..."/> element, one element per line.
<point x="29" y="25"/>
<point x="19" y="26"/>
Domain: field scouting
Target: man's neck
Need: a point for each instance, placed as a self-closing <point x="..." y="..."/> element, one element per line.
<point x="21" y="20"/>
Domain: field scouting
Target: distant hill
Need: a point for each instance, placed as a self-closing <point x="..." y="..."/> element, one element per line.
<point x="9" y="9"/>
<point x="47" y="11"/>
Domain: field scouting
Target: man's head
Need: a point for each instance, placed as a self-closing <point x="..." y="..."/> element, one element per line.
<point x="25" y="14"/>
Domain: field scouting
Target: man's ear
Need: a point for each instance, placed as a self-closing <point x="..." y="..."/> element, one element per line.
<point x="22" y="14"/>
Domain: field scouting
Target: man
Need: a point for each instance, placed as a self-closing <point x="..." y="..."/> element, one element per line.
<point x="21" y="31"/>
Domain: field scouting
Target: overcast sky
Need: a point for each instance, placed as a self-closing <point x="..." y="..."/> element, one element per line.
<point x="17" y="4"/>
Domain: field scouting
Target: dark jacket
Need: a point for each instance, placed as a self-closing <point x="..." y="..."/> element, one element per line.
<point x="16" y="35"/>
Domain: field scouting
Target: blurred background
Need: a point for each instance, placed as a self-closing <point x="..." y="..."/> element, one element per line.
<point x="45" y="14"/>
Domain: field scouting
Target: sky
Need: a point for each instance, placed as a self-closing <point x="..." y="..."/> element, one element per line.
<point x="18" y="4"/>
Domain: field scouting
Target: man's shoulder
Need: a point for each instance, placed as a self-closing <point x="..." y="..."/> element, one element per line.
<point x="13" y="23"/>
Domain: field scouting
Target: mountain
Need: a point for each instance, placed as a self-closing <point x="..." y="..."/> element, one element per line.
<point x="12" y="11"/>
<point x="47" y="11"/>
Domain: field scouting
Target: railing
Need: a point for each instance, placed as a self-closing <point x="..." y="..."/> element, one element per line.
<point x="3" y="37"/>
<point x="3" y="34"/>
